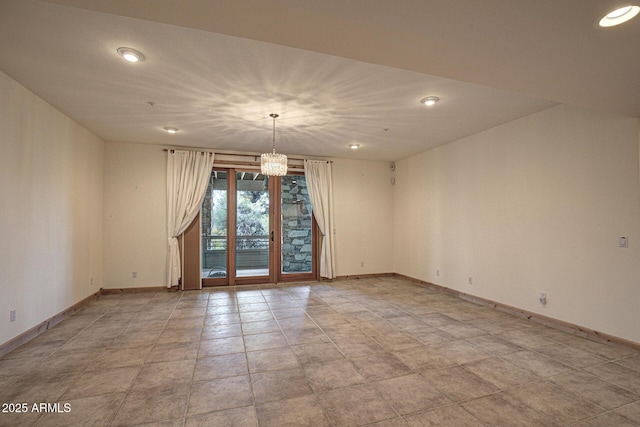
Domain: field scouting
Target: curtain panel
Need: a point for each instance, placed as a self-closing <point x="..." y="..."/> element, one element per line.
<point x="188" y="174"/>
<point x="320" y="186"/>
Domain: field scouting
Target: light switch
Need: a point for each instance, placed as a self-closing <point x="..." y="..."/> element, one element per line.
<point x="623" y="242"/>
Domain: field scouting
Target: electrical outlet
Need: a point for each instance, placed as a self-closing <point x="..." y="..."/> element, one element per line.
<point x="470" y="280"/>
<point x="12" y="316"/>
<point x="543" y="298"/>
<point x="438" y="273"/>
<point x="134" y="274"/>
<point x="623" y="242"/>
<point x="361" y="263"/>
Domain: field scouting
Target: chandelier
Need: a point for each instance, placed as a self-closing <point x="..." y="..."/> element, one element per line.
<point x="273" y="164"/>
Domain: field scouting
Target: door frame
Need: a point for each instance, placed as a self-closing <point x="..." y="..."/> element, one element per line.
<point x="275" y="246"/>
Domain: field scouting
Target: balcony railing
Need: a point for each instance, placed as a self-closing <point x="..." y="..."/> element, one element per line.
<point x="251" y="251"/>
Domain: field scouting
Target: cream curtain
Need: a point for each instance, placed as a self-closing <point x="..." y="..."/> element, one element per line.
<point x="188" y="174"/>
<point x="320" y="186"/>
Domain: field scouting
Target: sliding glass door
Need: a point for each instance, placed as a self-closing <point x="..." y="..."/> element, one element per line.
<point x="214" y="225"/>
<point x="256" y="229"/>
<point x="252" y="226"/>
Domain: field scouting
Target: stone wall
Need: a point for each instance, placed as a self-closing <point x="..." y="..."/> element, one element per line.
<point x="296" y="225"/>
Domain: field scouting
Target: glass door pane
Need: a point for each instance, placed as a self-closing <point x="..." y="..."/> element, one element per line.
<point x="214" y="227"/>
<point x="252" y="224"/>
<point x="297" y="242"/>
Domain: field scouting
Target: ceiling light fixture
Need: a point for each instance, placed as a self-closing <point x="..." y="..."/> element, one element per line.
<point x="130" y="55"/>
<point x="429" y="100"/>
<point x="171" y="130"/>
<point x="354" y="146"/>
<point x="619" y="16"/>
<point x="273" y="164"/>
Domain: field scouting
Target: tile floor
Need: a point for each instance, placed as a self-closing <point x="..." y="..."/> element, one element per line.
<point x="381" y="352"/>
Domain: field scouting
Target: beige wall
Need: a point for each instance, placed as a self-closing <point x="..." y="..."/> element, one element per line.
<point x="135" y="216"/>
<point x="536" y="205"/>
<point x="363" y="200"/>
<point x="51" y="213"/>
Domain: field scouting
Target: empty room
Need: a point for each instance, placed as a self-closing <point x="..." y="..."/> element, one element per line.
<point x="319" y="213"/>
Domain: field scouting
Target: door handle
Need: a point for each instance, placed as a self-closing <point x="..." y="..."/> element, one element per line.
<point x="272" y="236"/>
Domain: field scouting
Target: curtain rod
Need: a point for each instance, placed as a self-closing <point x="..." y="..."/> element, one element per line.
<point x="173" y="151"/>
<point x="255" y="156"/>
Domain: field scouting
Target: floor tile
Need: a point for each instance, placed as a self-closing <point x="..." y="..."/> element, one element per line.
<point x="391" y="422"/>
<point x="179" y="335"/>
<point x="305" y="336"/>
<point x="621" y="376"/>
<point x="602" y="350"/>
<point x="105" y="381"/>
<point x="164" y="373"/>
<point x="302" y="411"/>
<point x="219" y="394"/>
<point x="218" y="309"/>
<point x="380" y="366"/>
<point x="593" y="389"/>
<point x="459" y="384"/>
<point x="272" y="359"/>
<point x="461" y="351"/>
<point x="173" y="352"/>
<point x="444" y="416"/>
<point x="411" y="393"/>
<point x="553" y="402"/>
<point x="461" y="330"/>
<point x="221" y="319"/>
<point x="120" y="357"/>
<point x="264" y="341"/>
<point x="632" y="362"/>
<point x="608" y="419"/>
<point x="334" y="374"/>
<point x="260" y="327"/>
<point x="336" y="353"/>
<point x="525" y="338"/>
<point x="630" y="411"/>
<point x="494" y="345"/>
<point x="397" y="341"/>
<point x="210" y="332"/>
<point x="220" y="346"/>
<point x="87" y="411"/>
<point x="495" y="410"/>
<point x="536" y="363"/>
<point x="423" y="357"/>
<point x="316" y="353"/>
<point x="355" y="405"/>
<point x="228" y="365"/>
<point x="570" y="356"/>
<point x="357" y="345"/>
<point x="285" y="313"/>
<point x="237" y="417"/>
<point x="500" y="373"/>
<point x="256" y="316"/>
<point x="278" y="385"/>
<point x="151" y="405"/>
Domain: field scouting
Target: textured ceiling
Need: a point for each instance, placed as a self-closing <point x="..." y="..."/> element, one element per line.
<point x="336" y="71"/>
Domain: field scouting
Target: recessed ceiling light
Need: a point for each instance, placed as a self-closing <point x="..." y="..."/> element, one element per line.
<point x="354" y="146"/>
<point x="619" y="16"/>
<point x="429" y="100"/>
<point x="171" y="129"/>
<point x="130" y="55"/>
